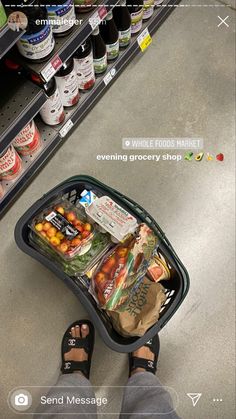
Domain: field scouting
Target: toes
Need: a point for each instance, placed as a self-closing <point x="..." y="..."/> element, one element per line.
<point x="72" y="331"/>
<point x="77" y="331"/>
<point x="84" y="330"/>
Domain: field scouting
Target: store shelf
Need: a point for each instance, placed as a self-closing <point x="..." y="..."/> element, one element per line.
<point x="8" y="38"/>
<point x="54" y="137"/>
<point x="20" y="101"/>
<point x="66" y="46"/>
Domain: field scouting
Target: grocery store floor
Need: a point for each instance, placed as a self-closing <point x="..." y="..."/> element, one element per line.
<point x="183" y="86"/>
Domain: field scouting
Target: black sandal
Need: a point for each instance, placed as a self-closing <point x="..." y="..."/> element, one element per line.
<point x="87" y="343"/>
<point x="149" y="365"/>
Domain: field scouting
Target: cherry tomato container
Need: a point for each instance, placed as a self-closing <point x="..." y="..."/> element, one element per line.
<point x="176" y="288"/>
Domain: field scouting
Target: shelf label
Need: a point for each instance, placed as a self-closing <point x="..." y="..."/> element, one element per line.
<point x="109" y="76"/>
<point x="66" y="128"/>
<point x="97" y="17"/>
<point x="51" y="68"/>
<point x="144" y="39"/>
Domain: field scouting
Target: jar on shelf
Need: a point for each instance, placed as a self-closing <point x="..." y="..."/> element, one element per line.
<point x="10" y="164"/>
<point x="28" y="141"/>
<point x="37" y="43"/>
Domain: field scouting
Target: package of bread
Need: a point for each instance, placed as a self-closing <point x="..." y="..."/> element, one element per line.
<point x="141" y="311"/>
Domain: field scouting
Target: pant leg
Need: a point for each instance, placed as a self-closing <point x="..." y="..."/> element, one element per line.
<point x="66" y="388"/>
<point x="141" y="402"/>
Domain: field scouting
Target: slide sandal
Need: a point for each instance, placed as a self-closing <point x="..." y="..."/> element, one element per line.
<point x="69" y="342"/>
<point x="147" y="364"/>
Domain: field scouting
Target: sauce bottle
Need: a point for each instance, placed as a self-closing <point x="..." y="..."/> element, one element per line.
<point x="67" y="83"/>
<point x="52" y="112"/>
<point x="122" y="20"/>
<point x="99" y="52"/>
<point x="37" y="43"/>
<point x="83" y="6"/>
<point x="62" y="15"/>
<point x="83" y="59"/>
<point x="135" y="8"/>
<point x="157" y="2"/>
<point x="3" y="16"/>
<point x="110" y="36"/>
<point x="148" y="9"/>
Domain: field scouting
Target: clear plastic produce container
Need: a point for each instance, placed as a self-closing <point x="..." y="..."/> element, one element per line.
<point x="64" y="228"/>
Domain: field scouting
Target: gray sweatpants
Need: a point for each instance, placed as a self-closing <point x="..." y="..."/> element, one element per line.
<point x="152" y="402"/>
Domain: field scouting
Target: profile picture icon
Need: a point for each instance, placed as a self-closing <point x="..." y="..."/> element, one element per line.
<point x="17" y="21"/>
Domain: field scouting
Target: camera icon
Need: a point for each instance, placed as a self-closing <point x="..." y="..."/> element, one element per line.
<point x="21" y="400"/>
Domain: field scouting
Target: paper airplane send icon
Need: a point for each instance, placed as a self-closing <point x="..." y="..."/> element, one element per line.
<point x="194" y="397"/>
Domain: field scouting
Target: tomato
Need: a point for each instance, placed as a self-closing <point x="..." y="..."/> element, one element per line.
<point x="55" y="241"/>
<point x="71" y="216"/>
<point x="51" y="232"/>
<point x="122" y="251"/>
<point x="85" y="234"/>
<point x="75" y="242"/>
<point x="39" y="227"/>
<point x="79" y="228"/>
<point x="63" y="247"/>
<point x="87" y="227"/>
<point x="46" y="226"/>
<point x="60" y="210"/>
<point x="109" y="264"/>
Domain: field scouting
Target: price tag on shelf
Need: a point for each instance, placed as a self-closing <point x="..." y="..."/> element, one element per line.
<point x="144" y="39"/>
<point x="66" y="128"/>
<point x="109" y="76"/>
<point x="97" y="17"/>
<point x="51" y="68"/>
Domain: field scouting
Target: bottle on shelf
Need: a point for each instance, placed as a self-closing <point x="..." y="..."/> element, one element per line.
<point x="148" y="9"/>
<point x="135" y="8"/>
<point x="83" y="59"/>
<point x="62" y="16"/>
<point x="83" y="6"/>
<point x="110" y="36"/>
<point x="122" y="20"/>
<point x="52" y="111"/>
<point x="157" y="2"/>
<point x="99" y="52"/>
<point x="67" y="83"/>
<point x="37" y="43"/>
<point x="3" y="16"/>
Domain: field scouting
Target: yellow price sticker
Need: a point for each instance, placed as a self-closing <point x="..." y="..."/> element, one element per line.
<point x="144" y="39"/>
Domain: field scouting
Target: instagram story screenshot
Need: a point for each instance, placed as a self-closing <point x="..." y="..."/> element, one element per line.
<point x="117" y="209"/>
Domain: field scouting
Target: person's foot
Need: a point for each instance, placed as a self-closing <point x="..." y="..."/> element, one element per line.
<point x="145" y="353"/>
<point x="77" y="354"/>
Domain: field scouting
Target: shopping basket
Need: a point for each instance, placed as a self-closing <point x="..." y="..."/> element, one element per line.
<point x="176" y="288"/>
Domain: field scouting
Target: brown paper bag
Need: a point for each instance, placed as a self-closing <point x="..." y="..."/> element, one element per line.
<point x="142" y="310"/>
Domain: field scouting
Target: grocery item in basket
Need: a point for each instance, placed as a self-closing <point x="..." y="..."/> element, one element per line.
<point x="112" y="217"/>
<point x="123" y="269"/>
<point x="158" y="269"/>
<point x="28" y="141"/>
<point x="82" y="262"/>
<point x="10" y="164"/>
<point x="65" y="228"/>
<point x="141" y="311"/>
<point x="1" y="190"/>
<point x="87" y="198"/>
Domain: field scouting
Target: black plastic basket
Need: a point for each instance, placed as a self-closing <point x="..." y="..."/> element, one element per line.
<point x="176" y="288"/>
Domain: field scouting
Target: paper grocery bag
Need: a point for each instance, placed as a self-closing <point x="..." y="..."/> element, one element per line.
<point x="141" y="311"/>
